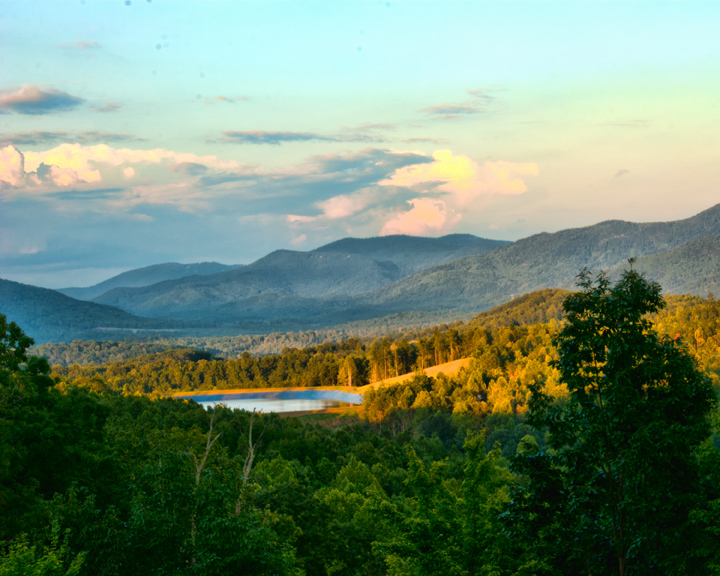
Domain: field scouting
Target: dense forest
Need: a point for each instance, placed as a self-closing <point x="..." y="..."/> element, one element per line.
<point x="578" y="441"/>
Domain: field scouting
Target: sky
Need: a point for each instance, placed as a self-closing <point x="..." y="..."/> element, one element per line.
<point x="135" y="132"/>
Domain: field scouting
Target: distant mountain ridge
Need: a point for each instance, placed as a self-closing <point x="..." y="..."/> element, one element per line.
<point x="411" y="253"/>
<point x="147" y="276"/>
<point x="355" y="280"/>
<point x="293" y="285"/>
<point x="285" y="279"/>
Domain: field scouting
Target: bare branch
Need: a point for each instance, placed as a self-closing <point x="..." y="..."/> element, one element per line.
<point x="208" y="446"/>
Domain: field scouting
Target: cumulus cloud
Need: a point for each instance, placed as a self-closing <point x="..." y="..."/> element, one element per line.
<point x="12" y="167"/>
<point x="74" y="164"/>
<point x="463" y="178"/>
<point x="31" y="99"/>
<point x="427" y="215"/>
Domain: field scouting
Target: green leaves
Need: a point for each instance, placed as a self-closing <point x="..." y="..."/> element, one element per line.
<point x="621" y="474"/>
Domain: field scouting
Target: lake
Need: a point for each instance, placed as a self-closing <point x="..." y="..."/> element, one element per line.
<point x="281" y="401"/>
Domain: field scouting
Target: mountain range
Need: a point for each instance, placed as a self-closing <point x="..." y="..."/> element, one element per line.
<point x="146" y="276"/>
<point x="361" y="279"/>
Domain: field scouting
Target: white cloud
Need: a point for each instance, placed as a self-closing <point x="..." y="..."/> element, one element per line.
<point x="12" y="167"/>
<point x="346" y="204"/>
<point x="303" y="219"/>
<point x="75" y="164"/>
<point x="427" y="215"/>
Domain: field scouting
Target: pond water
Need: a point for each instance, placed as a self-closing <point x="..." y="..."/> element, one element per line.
<point x="281" y="401"/>
<point x="280" y="406"/>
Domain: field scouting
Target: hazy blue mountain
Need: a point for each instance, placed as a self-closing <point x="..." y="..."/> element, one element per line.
<point x="411" y="253"/>
<point x="281" y="277"/>
<point x="341" y="283"/>
<point x="46" y="315"/>
<point x="147" y="276"/>
<point x="282" y="282"/>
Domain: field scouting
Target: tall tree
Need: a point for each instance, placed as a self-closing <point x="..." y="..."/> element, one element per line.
<point x="614" y="493"/>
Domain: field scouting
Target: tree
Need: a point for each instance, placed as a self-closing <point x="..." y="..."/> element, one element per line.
<point x="614" y="492"/>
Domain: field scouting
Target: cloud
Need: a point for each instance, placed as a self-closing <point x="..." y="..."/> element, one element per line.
<point x="298" y="240"/>
<point x="452" y="110"/>
<point x="75" y="164"/>
<point x="345" y="205"/>
<point x="37" y="137"/>
<point x="277" y="138"/>
<point x="82" y="46"/>
<point x="183" y="195"/>
<point x="190" y="168"/>
<point x="425" y="140"/>
<point x="229" y="100"/>
<point x="469" y="107"/>
<point x="621" y="173"/>
<point x="109" y="107"/>
<point x="273" y="138"/>
<point x="427" y="215"/>
<point x="482" y="94"/>
<point x="12" y="167"/>
<point x="30" y="99"/>
<point x="463" y="178"/>
<point x="292" y="218"/>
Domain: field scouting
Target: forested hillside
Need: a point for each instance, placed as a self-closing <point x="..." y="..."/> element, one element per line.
<point x="508" y="338"/>
<point x="49" y="315"/>
<point x="444" y="475"/>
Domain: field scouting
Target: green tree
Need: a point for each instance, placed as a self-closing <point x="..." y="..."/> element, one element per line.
<point x="614" y="493"/>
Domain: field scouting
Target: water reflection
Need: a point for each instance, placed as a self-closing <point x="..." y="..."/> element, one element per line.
<point x="280" y="406"/>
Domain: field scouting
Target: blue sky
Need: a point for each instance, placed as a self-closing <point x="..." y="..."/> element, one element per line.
<point x="134" y="133"/>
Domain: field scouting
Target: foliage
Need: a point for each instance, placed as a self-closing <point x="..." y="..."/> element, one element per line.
<point x="413" y="486"/>
<point x="614" y="493"/>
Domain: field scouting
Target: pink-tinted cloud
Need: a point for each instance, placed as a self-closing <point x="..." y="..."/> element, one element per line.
<point x="427" y="216"/>
<point x="345" y="205"/>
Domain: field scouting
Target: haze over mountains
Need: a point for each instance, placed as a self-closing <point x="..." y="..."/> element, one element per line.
<point x="146" y="276"/>
<point x="360" y="279"/>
